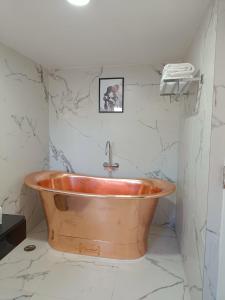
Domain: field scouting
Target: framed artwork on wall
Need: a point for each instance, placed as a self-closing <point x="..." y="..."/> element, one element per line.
<point x="111" y="95"/>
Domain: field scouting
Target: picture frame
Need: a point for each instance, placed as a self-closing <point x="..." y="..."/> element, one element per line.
<point x="111" y="95"/>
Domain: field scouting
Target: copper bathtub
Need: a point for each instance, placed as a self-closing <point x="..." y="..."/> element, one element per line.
<point x="98" y="216"/>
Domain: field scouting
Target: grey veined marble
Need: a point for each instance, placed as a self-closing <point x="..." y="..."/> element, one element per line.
<point x="46" y="274"/>
<point x="23" y="131"/>
<point x="145" y="138"/>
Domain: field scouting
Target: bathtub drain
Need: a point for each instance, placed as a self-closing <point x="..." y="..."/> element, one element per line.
<point x="29" y="248"/>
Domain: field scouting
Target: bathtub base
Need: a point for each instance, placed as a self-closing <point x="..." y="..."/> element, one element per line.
<point x="99" y="248"/>
<point x="116" y="228"/>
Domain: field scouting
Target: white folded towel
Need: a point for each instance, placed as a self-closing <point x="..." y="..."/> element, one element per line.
<point x="182" y="70"/>
<point x="176" y="76"/>
<point x="182" y="67"/>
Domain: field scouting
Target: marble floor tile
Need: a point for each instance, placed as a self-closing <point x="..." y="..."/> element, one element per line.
<point x="149" y="278"/>
<point x="13" y="294"/>
<point x="46" y="274"/>
<point x="41" y="297"/>
<point x="80" y="281"/>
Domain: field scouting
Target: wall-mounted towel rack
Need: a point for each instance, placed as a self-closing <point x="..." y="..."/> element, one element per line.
<point x="179" y="86"/>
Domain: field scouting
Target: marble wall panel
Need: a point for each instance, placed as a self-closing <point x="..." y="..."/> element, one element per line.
<point x="23" y="132"/>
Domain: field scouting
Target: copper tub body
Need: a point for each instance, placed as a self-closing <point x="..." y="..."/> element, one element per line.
<point x="98" y="216"/>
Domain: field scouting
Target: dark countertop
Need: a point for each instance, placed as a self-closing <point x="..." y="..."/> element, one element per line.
<point x="9" y="222"/>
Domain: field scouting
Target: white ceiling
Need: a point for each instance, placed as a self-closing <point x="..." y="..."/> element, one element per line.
<point x="56" y="34"/>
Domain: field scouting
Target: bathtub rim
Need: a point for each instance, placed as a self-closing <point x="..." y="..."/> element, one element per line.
<point x="32" y="180"/>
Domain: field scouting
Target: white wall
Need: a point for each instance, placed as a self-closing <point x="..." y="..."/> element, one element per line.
<point x="144" y="137"/>
<point x="194" y="158"/>
<point x="221" y="273"/>
<point x="23" y="132"/>
<point x="217" y="158"/>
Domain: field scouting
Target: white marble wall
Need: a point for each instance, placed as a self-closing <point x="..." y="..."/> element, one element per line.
<point x="217" y="159"/>
<point x="194" y="158"/>
<point x="144" y="137"/>
<point x="23" y="132"/>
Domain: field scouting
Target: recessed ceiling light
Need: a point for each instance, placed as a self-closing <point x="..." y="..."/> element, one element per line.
<point x="78" y="2"/>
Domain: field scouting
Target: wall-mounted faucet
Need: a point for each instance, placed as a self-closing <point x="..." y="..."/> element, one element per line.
<point x="108" y="151"/>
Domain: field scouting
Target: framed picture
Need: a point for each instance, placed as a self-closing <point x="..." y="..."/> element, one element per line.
<point x="111" y="95"/>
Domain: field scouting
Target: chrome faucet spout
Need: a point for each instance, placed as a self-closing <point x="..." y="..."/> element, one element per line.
<point x="108" y="152"/>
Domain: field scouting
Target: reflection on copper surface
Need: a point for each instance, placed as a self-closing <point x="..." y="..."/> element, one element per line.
<point x="98" y="216"/>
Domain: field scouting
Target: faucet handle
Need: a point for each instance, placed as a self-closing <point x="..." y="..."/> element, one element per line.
<point x="108" y="145"/>
<point x="113" y="166"/>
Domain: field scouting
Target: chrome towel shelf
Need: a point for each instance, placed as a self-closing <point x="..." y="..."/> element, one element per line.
<point x="179" y="86"/>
